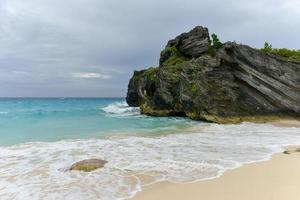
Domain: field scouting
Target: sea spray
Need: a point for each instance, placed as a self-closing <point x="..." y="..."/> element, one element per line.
<point x="121" y="109"/>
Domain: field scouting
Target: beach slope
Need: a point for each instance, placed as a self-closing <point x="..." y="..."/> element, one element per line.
<point x="276" y="179"/>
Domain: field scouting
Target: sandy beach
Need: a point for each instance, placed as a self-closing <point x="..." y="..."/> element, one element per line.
<point x="276" y="179"/>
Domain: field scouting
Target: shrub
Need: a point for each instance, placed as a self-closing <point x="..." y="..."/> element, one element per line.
<point x="267" y="48"/>
<point x="216" y="44"/>
<point x="291" y="55"/>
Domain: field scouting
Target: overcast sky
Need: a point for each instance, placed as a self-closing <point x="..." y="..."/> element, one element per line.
<point x="59" y="48"/>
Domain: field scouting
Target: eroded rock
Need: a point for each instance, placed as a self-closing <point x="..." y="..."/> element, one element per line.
<point x="236" y="83"/>
<point x="190" y="45"/>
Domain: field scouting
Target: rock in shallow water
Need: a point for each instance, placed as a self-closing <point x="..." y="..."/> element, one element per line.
<point x="88" y="165"/>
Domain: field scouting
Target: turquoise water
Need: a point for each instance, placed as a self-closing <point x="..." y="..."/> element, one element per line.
<point x="29" y="120"/>
<point x="41" y="138"/>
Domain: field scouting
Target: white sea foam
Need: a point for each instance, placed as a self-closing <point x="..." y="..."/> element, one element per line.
<point x="35" y="171"/>
<point x="121" y="109"/>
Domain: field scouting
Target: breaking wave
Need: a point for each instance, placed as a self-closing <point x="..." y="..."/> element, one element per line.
<point x="121" y="109"/>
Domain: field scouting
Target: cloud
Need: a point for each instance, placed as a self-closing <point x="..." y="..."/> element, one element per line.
<point x="104" y="41"/>
<point x="89" y="75"/>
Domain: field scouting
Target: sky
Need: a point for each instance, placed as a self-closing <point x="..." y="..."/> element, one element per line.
<point x="90" y="48"/>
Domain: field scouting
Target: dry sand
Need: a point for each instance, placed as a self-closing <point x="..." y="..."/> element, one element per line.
<point x="276" y="179"/>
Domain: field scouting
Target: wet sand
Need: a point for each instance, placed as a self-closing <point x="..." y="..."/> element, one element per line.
<point x="276" y="179"/>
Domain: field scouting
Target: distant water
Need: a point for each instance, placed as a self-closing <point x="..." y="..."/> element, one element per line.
<point x="28" y="120"/>
<point x="41" y="138"/>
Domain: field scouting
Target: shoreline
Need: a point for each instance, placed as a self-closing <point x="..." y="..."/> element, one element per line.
<point x="275" y="179"/>
<point x="203" y="152"/>
<point x="287" y="123"/>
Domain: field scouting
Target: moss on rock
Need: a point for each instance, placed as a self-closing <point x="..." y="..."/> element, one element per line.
<point x="151" y="73"/>
<point x="174" y="57"/>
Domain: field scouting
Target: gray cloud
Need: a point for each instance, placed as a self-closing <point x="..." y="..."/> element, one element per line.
<point x="91" y="47"/>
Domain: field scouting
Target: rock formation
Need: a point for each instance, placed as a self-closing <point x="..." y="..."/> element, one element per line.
<point x="228" y="85"/>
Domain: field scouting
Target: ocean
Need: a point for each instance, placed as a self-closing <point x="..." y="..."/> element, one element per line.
<point x="41" y="138"/>
<point x="54" y="119"/>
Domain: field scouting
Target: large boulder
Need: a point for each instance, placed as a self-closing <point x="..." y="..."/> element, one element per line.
<point x="191" y="44"/>
<point x="233" y="84"/>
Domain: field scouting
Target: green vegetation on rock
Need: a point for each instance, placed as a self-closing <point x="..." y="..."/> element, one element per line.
<point x="291" y="55"/>
<point x="194" y="89"/>
<point x="214" y="45"/>
<point x="175" y="57"/>
<point x="267" y="48"/>
<point x="203" y="79"/>
<point x="151" y="73"/>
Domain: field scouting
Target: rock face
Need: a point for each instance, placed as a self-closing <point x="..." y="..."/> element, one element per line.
<point x="233" y="84"/>
<point x="88" y="165"/>
<point x="191" y="44"/>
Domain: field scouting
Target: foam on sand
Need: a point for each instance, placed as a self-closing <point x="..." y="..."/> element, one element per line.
<point x="38" y="170"/>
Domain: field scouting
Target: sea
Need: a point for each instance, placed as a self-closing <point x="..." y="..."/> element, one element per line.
<point x="40" y="138"/>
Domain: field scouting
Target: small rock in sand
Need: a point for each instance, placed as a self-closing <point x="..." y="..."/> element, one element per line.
<point x="290" y="151"/>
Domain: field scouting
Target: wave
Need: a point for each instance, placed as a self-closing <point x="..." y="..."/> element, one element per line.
<point x="37" y="170"/>
<point x="3" y="113"/>
<point x="121" y="109"/>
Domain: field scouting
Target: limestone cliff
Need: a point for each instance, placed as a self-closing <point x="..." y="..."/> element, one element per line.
<point x="232" y="84"/>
